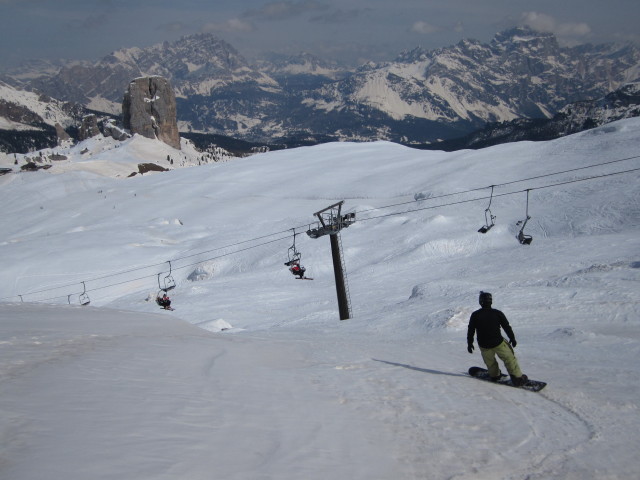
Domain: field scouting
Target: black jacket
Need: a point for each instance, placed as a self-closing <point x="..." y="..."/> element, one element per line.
<point x="487" y="322"/>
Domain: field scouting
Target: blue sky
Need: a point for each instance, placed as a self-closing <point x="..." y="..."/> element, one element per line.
<point x="347" y="30"/>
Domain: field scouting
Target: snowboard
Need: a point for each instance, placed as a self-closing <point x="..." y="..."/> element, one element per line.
<point x="483" y="374"/>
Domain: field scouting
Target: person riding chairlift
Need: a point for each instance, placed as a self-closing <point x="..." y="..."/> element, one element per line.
<point x="164" y="301"/>
<point x="297" y="269"/>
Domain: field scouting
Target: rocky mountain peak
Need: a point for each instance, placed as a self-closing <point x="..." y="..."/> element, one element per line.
<point x="206" y="48"/>
<point x="416" y="54"/>
<point x="149" y="109"/>
<point x="516" y="37"/>
<point x="283" y="67"/>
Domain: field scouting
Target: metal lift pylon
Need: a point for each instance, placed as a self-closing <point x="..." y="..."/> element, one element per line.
<point x="330" y="222"/>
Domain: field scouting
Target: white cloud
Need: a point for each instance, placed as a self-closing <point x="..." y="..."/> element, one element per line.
<point x="424" y="28"/>
<point x="574" y="29"/>
<point x="546" y="23"/>
<point x="285" y="9"/>
<point x="231" y="25"/>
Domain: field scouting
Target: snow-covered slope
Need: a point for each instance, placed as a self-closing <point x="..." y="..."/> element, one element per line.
<point x="20" y="110"/>
<point x="108" y="157"/>
<point x="273" y="385"/>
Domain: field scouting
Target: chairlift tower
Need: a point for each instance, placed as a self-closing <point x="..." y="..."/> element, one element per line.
<point x="330" y="222"/>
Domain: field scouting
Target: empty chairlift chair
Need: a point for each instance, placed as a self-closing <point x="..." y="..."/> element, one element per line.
<point x="522" y="237"/>
<point x="84" y="297"/>
<point x="488" y="216"/>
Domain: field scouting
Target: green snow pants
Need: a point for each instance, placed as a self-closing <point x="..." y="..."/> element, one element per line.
<point x="504" y="351"/>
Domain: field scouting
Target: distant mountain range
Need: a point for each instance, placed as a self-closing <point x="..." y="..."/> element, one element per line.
<point x="573" y="118"/>
<point x="420" y="97"/>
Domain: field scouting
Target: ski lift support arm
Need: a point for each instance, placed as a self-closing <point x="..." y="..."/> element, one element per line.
<point x="331" y="221"/>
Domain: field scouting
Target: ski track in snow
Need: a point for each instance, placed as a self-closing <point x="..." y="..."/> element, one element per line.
<point x="422" y="427"/>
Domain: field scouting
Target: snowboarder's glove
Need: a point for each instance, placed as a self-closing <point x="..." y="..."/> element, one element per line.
<point x="470" y="348"/>
<point x="513" y="342"/>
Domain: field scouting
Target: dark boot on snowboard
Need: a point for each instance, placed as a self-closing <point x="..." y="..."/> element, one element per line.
<point x="519" y="381"/>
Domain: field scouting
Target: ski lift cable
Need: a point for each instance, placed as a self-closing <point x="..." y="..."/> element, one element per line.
<point x="142" y="267"/>
<point x="504" y="183"/>
<point x="94" y="279"/>
<point x="500" y="185"/>
<point x="124" y="282"/>
<point x="233" y="253"/>
<point x="364" y="219"/>
<point x="500" y="194"/>
<point x="233" y="244"/>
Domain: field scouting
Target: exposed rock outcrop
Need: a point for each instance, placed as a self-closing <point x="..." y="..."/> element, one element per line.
<point x="63" y="136"/>
<point x="89" y="127"/>
<point x="110" y="129"/>
<point x="150" y="167"/>
<point x="149" y="109"/>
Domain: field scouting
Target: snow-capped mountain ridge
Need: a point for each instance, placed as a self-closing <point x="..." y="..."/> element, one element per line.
<point x="421" y="96"/>
<point x="572" y="118"/>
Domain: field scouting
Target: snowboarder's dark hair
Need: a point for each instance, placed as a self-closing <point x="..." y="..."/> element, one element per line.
<point x="485" y="299"/>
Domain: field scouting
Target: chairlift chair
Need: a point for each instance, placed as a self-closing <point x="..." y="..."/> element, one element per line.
<point x="488" y="216"/>
<point x="522" y="237"/>
<point x="161" y="291"/>
<point x="84" y="297"/>
<point x="168" y="283"/>
<point x="293" y="258"/>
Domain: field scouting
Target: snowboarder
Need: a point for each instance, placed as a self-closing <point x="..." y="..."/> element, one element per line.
<point x="487" y="323"/>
